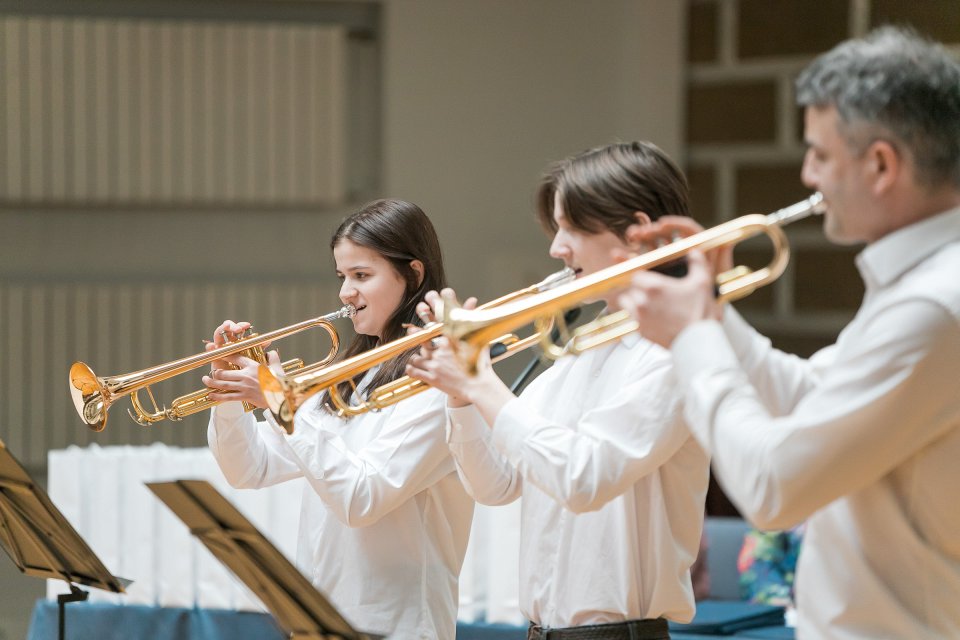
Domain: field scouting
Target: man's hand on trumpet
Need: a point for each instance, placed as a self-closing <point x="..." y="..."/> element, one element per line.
<point x="665" y="306"/>
<point x="235" y="377"/>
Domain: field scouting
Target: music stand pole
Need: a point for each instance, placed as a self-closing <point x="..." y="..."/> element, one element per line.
<point x="75" y="595"/>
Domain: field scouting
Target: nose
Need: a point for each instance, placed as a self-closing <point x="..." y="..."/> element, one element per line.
<point x="559" y="248"/>
<point x="807" y="174"/>
<point x="348" y="293"/>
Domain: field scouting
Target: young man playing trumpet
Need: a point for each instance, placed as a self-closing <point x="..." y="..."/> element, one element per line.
<point x="612" y="482"/>
<point x="863" y="440"/>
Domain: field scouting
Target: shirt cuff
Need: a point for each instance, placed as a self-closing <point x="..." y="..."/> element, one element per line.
<point x="229" y="410"/>
<point x="511" y="431"/>
<point x="739" y="332"/>
<point x="465" y="424"/>
<point x="700" y="349"/>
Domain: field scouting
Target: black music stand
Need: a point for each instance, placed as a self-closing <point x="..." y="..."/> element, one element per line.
<point x="301" y="611"/>
<point x="41" y="542"/>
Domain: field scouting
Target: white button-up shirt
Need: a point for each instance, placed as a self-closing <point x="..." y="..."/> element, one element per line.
<point x="612" y="482"/>
<point x="863" y="439"/>
<point x="385" y="519"/>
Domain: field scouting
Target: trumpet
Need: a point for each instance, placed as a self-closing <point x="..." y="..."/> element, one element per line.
<point x="287" y="393"/>
<point x="470" y="330"/>
<point x="93" y="395"/>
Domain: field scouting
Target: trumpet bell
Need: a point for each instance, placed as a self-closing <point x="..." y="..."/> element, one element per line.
<point x="88" y="395"/>
<point x="275" y="394"/>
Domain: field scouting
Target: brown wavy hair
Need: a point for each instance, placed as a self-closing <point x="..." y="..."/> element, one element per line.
<point x="600" y="189"/>
<point x="400" y="232"/>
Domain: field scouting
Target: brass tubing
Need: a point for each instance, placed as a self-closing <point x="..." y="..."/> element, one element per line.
<point x="93" y="395"/>
<point x="285" y="394"/>
<point x="471" y="330"/>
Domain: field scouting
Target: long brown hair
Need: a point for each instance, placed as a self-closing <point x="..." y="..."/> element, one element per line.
<point x="600" y="189"/>
<point x="400" y="232"/>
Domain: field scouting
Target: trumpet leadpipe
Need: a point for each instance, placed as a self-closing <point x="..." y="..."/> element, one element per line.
<point x="471" y="330"/>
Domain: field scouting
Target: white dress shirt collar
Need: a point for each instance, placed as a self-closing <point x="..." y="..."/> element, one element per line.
<point x="896" y="253"/>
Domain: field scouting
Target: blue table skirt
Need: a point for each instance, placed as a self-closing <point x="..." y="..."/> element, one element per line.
<point x="768" y="633"/>
<point x="101" y="621"/>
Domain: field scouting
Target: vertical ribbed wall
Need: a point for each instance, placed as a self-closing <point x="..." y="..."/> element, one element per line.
<point x="130" y="112"/>
<point x="117" y="329"/>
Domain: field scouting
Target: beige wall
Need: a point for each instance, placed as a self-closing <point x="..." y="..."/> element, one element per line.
<point x="481" y="96"/>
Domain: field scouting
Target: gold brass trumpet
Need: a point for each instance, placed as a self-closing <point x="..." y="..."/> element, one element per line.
<point x="285" y="394"/>
<point x="93" y="396"/>
<point x="471" y="330"/>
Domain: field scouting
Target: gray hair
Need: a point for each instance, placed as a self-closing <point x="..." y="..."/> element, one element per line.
<point x="896" y="85"/>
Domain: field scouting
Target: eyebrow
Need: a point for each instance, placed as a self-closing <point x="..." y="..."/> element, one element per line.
<point x="354" y="268"/>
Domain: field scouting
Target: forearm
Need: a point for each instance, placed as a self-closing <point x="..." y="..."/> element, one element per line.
<point x="489" y="395"/>
<point x="486" y="474"/>
<point x="781" y="379"/>
<point x="248" y="452"/>
<point x="614" y="444"/>
<point x="862" y="420"/>
<point x="361" y="482"/>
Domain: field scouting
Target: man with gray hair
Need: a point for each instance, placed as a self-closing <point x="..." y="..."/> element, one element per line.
<point x="862" y="440"/>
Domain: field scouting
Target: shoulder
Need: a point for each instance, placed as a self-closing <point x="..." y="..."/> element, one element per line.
<point x="424" y="403"/>
<point x="638" y="357"/>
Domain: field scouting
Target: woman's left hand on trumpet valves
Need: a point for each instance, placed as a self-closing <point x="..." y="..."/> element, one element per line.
<point x="241" y="379"/>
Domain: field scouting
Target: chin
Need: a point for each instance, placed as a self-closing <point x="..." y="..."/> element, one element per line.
<point x="835" y="234"/>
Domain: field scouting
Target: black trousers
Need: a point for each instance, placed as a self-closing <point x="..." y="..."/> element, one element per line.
<point x="631" y="630"/>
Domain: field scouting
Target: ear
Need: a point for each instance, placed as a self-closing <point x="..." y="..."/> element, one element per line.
<point x="885" y="165"/>
<point x="417" y="267"/>
<point x="641" y="217"/>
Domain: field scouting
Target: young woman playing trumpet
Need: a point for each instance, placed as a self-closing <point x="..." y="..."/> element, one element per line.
<point x="385" y="520"/>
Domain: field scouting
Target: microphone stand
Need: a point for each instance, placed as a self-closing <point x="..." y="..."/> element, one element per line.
<point x="569" y="317"/>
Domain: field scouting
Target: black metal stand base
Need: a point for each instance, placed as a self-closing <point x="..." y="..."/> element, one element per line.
<point x="75" y="595"/>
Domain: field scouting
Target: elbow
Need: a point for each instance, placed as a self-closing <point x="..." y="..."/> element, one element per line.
<point x="239" y="480"/>
<point x="772" y="507"/>
<point x="773" y="521"/>
<point x="360" y="518"/>
<point x="582" y="495"/>
<point x="492" y="501"/>
<point x="591" y="489"/>
<point x="582" y="502"/>
<point x="359" y="511"/>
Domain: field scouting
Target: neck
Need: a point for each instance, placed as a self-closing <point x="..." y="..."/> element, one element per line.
<point x="920" y="204"/>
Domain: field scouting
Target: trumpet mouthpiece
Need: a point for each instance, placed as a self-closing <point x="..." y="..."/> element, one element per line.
<point x="556" y="279"/>
<point x="348" y="311"/>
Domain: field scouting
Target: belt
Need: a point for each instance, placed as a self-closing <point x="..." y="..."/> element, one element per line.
<point x="655" y="629"/>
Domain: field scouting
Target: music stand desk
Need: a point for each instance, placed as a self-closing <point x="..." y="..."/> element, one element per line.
<point x="298" y="608"/>
<point x="40" y="540"/>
